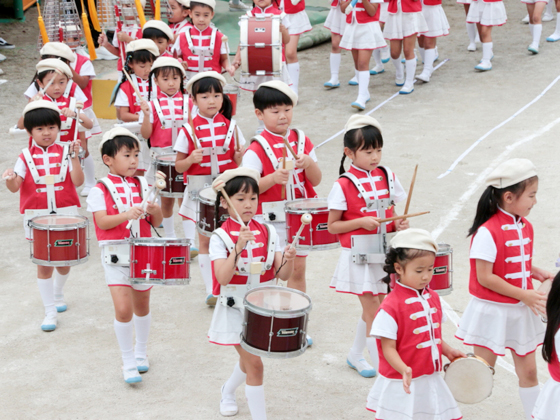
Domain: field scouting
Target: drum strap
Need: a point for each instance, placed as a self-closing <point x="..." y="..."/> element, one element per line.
<point x="172" y="123"/>
<point x="203" y="52"/>
<point x="67" y="124"/>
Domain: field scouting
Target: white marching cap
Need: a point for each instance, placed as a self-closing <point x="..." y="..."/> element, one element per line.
<point x="511" y="172"/>
<point x="59" y="49"/>
<point x="143" y="44"/>
<point x="210" y="3"/>
<point x="415" y="239"/>
<point x="115" y="132"/>
<point x="162" y="26"/>
<point x="54" y="64"/>
<point x="41" y="103"/>
<point x="282" y="87"/>
<point x="233" y="173"/>
<point x="168" y="62"/>
<point x="202" y="75"/>
<point x="360" y="121"/>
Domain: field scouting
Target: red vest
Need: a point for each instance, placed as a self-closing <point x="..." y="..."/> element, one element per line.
<point x="143" y="87"/>
<point x="66" y="134"/>
<point x="231" y="227"/>
<point x="361" y="16"/>
<point x="80" y="61"/>
<point x="334" y="3"/>
<point x="407" y="6"/>
<point x="132" y="31"/>
<point x="276" y="142"/>
<point x="432" y="2"/>
<point x="291" y="9"/>
<point x="163" y="137"/>
<point x="211" y="133"/>
<point x="34" y="196"/>
<point x="356" y="204"/>
<point x="201" y="39"/>
<point x="514" y="244"/>
<point x="419" y="318"/>
<point x="121" y="232"/>
<point x="554" y="365"/>
<point x="270" y="10"/>
<point x="177" y="27"/>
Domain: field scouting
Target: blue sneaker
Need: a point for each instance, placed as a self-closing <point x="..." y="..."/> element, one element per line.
<point x="554" y="37"/>
<point x="49" y="323"/>
<point x="211" y="300"/>
<point x="353" y="81"/>
<point x="406" y="91"/>
<point x="484" y="66"/>
<point x="533" y="48"/>
<point x="309" y="341"/>
<point x="361" y="366"/>
<point x="330" y="85"/>
<point x="143" y="365"/>
<point x="132" y="376"/>
<point x="59" y="303"/>
<point x="194" y="252"/>
<point x="377" y="70"/>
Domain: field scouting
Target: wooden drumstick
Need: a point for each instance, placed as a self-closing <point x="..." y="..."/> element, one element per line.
<point x="289" y="146"/>
<point x="404" y="216"/>
<point x="133" y="85"/>
<point x="79" y="107"/>
<point x="306" y="218"/>
<point x="220" y="187"/>
<point x="157" y="187"/>
<point x="237" y="138"/>
<point x="284" y="156"/>
<point x="410" y="191"/>
<point x="191" y="123"/>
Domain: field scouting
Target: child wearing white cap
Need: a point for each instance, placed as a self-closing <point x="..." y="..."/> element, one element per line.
<point x="178" y="12"/>
<point x="503" y="312"/>
<point x="161" y="34"/>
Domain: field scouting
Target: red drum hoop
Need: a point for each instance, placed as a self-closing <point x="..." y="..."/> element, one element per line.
<point x="161" y="261"/>
<point x="316" y="235"/>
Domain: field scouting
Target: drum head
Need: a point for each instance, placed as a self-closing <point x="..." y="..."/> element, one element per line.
<point x="58" y="220"/>
<point x="278" y="299"/>
<point x="232" y="89"/>
<point x="470" y="380"/>
<point x="307" y="205"/>
<point x="168" y="157"/>
<point x="207" y="195"/>
<point x="443" y="249"/>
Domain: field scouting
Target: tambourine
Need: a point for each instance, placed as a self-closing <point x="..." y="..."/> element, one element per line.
<point x="470" y="379"/>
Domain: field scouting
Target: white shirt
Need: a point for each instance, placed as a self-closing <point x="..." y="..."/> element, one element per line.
<point x="483" y="246"/>
<point x="177" y="45"/>
<point x="86" y="70"/>
<point x="219" y="251"/>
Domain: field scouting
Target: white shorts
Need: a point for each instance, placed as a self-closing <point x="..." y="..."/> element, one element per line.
<point x="298" y="23"/>
<point x="116" y="275"/>
<point x="281" y="231"/>
<point x="402" y="25"/>
<point x="358" y="278"/>
<point x="534" y="1"/>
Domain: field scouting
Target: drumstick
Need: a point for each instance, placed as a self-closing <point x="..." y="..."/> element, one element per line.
<point x="237" y="137"/>
<point x="283" y="167"/>
<point x="410" y="191"/>
<point x="158" y="185"/>
<point x="306" y="218"/>
<point x="220" y="187"/>
<point x="404" y="216"/>
<point x="133" y="85"/>
<point x="191" y="123"/>
<point x="79" y="106"/>
<point x="289" y="146"/>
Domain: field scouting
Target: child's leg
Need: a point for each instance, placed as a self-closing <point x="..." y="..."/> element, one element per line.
<point x="535" y="24"/>
<point x="228" y="403"/>
<point x="297" y="279"/>
<point x="487" y="47"/>
<point x="167" y="210"/>
<point x="421" y="46"/>
<point x="142" y="321"/>
<point x="46" y="289"/>
<point x="526" y="369"/>
<point x="410" y="63"/>
<point x="556" y="35"/>
<point x="429" y="58"/>
<point x="396" y="48"/>
<point x="471" y="31"/>
<point x="254" y="390"/>
<point x="60" y="276"/>
<point x="379" y="68"/>
<point x="205" y="267"/>
<point x="89" y="167"/>
<point x="362" y="65"/>
<point x="335" y="60"/>
<point x="292" y="61"/>
<point x="370" y="305"/>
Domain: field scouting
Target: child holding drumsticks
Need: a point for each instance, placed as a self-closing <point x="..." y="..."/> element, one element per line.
<point x="41" y="119"/>
<point x="231" y="247"/>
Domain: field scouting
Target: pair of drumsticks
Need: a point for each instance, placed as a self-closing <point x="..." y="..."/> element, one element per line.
<point x="406" y="215"/>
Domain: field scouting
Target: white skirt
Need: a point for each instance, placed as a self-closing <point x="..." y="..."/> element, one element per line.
<point x="367" y="36"/>
<point x="358" y="278"/>
<point x="436" y="21"/>
<point x="227" y="323"/>
<point x="96" y="129"/>
<point x="498" y="326"/>
<point x="145" y="161"/>
<point x="251" y="83"/>
<point x="487" y="13"/>
<point x="534" y="1"/>
<point x="429" y="399"/>
<point x="336" y="21"/>
<point x="464" y="1"/>
<point x="547" y="406"/>
<point x="298" y="23"/>
<point x="384" y="12"/>
<point x="402" y="25"/>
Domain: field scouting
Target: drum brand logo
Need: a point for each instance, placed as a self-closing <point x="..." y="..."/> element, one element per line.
<point x="322" y="226"/>
<point x="440" y="270"/>
<point x="287" y="332"/>
<point x="179" y="178"/>
<point x="177" y="261"/>
<point x="64" y="242"/>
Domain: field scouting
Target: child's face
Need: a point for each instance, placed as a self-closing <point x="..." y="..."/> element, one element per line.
<point x="201" y="16"/>
<point x="245" y="203"/>
<point x="276" y="118"/>
<point x="262" y="3"/>
<point x="45" y="135"/>
<point x="521" y="206"/>
<point x="169" y="82"/>
<point x="366" y="159"/>
<point x="124" y="163"/>
<point x="162" y="44"/>
<point x="142" y="70"/>
<point x="176" y="12"/>
<point x="418" y="272"/>
<point x="209" y="103"/>
<point x="57" y="88"/>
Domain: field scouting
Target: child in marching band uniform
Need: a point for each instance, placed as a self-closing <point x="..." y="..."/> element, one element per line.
<point x="114" y="201"/>
<point x="218" y="147"/>
<point x="335" y="22"/>
<point x="161" y="34"/>
<point x="178" y="13"/>
<point x="472" y="30"/>
<point x="556" y="35"/>
<point x="162" y="118"/>
<point x="38" y="196"/>
<point x="409" y="338"/>
<point x="233" y="247"/>
<point x="503" y="312"/>
<point x="535" y="9"/>
<point x="437" y="26"/>
<point x="361" y="196"/>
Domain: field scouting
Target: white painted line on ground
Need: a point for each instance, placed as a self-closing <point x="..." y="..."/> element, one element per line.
<point x="476" y="143"/>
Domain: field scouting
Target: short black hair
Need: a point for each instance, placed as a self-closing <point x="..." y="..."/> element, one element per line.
<point x="266" y="97"/>
<point x="41" y="117"/>
<point x="195" y="3"/>
<point x="153" y="33"/>
<point x="211" y="84"/>
<point x="41" y="76"/>
<point x="112" y="147"/>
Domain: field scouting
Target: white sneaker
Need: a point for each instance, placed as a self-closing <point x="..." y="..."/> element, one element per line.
<point x="547" y="17"/>
<point x="142" y="364"/>
<point x="353" y="81"/>
<point x="228" y="405"/>
<point x="484" y="65"/>
<point x="2" y="58"/>
<point x="104" y="54"/>
<point x="132" y="376"/>
<point x="554" y="37"/>
<point x="361" y="365"/>
<point x="525" y="19"/>
<point x="424" y="76"/>
<point x="85" y="191"/>
<point x="472" y="46"/>
<point x="59" y="303"/>
<point x="406" y="89"/>
<point x="534" y="48"/>
<point x="50" y="322"/>
<point x="239" y="7"/>
<point x="378" y="69"/>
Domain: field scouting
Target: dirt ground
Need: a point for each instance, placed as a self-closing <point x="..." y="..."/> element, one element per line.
<point x="74" y="372"/>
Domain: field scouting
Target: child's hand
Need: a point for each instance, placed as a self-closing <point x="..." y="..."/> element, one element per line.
<point x="303" y="161"/>
<point x="152" y="208"/>
<point x="245" y="235"/>
<point x="281" y="176"/>
<point x="453" y="354"/>
<point x="231" y="70"/>
<point x="145" y="107"/>
<point x="238" y="155"/>
<point x="540" y="274"/>
<point x="369" y="223"/>
<point x="102" y="39"/>
<point x="535" y="300"/>
<point x="75" y="147"/>
<point x="402" y="224"/>
<point x="38" y="96"/>
<point x="9" y="175"/>
<point x="196" y="156"/>
<point x="185" y="65"/>
<point x="123" y="37"/>
<point x="290" y="253"/>
<point x="407" y="379"/>
<point x="134" y="213"/>
<point x="68" y="113"/>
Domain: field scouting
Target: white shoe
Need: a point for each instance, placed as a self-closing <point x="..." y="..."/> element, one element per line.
<point x="228" y="405"/>
<point x="2" y="58"/>
<point x="525" y="19"/>
<point x="361" y="365"/>
<point x="1" y="71"/>
<point x="104" y="54"/>
<point x="554" y="37"/>
<point x="50" y="322"/>
<point x="142" y="364"/>
<point x="59" y="303"/>
<point x="132" y="376"/>
<point x="85" y="191"/>
<point x="472" y="46"/>
<point x="377" y="69"/>
<point x="533" y="48"/>
<point x="407" y="89"/>
<point x="385" y="55"/>
<point x="424" y="76"/>
<point x="547" y="17"/>
<point x="353" y="81"/>
<point x="484" y="65"/>
<point x="239" y="7"/>
<point x="399" y="82"/>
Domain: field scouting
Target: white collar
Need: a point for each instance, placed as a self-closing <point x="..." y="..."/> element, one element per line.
<point x="516" y="219"/>
<point x="210" y="120"/>
<point x="46" y="149"/>
<point x="279" y="135"/>
<point x="363" y="170"/>
<point x="424" y="290"/>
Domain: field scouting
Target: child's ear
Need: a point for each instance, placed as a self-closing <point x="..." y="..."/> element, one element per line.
<point x="259" y="114"/>
<point x="223" y="203"/>
<point x="106" y="159"/>
<point x="508" y="197"/>
<point x="399" y="269"/>
<point x="349" y="153"/>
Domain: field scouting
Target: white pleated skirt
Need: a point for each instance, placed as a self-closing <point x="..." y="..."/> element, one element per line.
<point x="358" y="279"/>
<point x="436" y="21"/>
<point x="547" y="406"/>
<point x="487" y="13"/>
<point x="429" y="399"/>
<point x="298" y="23"/>
<point x="402" y="25"/>
<point x="384" y="12"/>
<point x="251" y="83"/>
<point x="367" y="36"/>
<point x="501" y="326"/>
<point x="96" y="129"/>
<point x="336" y="21"/>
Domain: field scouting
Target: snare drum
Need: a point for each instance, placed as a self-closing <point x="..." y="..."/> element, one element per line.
<point x="275" y="322"/>
<point x="174" y="181"/>
<point x="316" y="235"/>
<point x="232" y="91"/>
<point x="470" y="379"/>
<point x="162" y="261"/>
<point x="207" y="211"/>
<point x="261" y="46"/>
<point x="59" y="240"/>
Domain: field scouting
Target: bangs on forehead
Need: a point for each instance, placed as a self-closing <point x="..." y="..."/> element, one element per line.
<point x="167" y="71"/>
<point x="246" y="187"/>
<point x="368" y="138"/>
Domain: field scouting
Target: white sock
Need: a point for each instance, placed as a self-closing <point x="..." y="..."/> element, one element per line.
<point x="410" y="71"/>
<point x="89" y="172"/>
<point x="471" y="31"/>
<point x="429" y="61"/>
<point x="399" y="71"/>
<point x="373" y="353"/>
<point x="255" y="401"/>
<point x="531" y="28"/>
<point x="377" y="57"/>
<point x="363" y="86"/>
<point x="360" y="339"/>
<point x="421" y="51"/>
<point x="557" y="31"/>
<point x="169" y="227"/>
<point x="487" y="51"/>
<point x="237" y="378"/>
<point x="59" y="281"/>
<point x="335" y="67"/>
<point x="528" y="399"/>
<point x="124" y="332"/>
<point x="46" y="289"/>
<point x="385" y="52"/>
<point x="549" y="7"/>
<point x="293" y="70"/>
<point x="206" y="270"/>
<point x="189" y="228"/>
<point x="142" y="328"/>
<point x="356" y="74"/>
<point x="537" y="31"/>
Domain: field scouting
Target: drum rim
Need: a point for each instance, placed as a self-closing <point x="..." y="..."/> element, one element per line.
<point x="159" y="241"/>
<point x="277" y="314"/>
<point x="443" y="249"/>
<point x="165" y="162"/>
<point x="303" y="211"/>
<point x="61" y="263"/>
<point x="272" y="354"/>
<point x="322" y="247"/>
<point x="470" y="357"/>
<point x="178" y="282"/>
<point x="172" y="194"/>
<point x="203" y="199"/>
<point x="79" y="225"/>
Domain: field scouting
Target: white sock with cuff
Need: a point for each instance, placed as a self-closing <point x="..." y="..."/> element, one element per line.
<point x="359" y="339"/>
<point x="537" y="31"/>
<point x="335" y="60"/>
<point x="142" y="328"/>
<point x="59" y="282"/>
<point x="189" y="229"/>
<point x="89" y="172"/>
<point x="206" y="269"/>
<point x="399" y="70"/>
<point x="168" y="227"/>
<point x="237" y="378"/>
<point x="124" y="332"/>
<point x="256" y="402"/>
<point x="528" y="399"/>
<point x="293" y="70"/>
<point x="46" y="289"/>
<point x="373" y="353"/>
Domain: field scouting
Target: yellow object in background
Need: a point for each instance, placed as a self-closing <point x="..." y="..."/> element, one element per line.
<point x="101" y="89"/>
<point x="157" y="14"/>
<point x="140" y="11"/>
<point x="93" y="15"/>
<point x="42" y="28"/>
<point x="87" y="34"/>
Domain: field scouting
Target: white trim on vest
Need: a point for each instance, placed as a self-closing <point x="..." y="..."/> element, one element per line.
<point x="173" y="123"/>
<point x="201" y="53"/>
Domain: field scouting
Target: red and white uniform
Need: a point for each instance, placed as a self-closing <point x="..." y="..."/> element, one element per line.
<point x="129" y="192"/>
<point x="201" y="50"/>
<point x="177" y="28"/>
<point x="405" y="19"/>
<point x="227" y="321"/>
<point x="362" y="31"/>
<point x="487" y="12"/>
<point x="336" y="20"/>
<point x="413" y="319"/>
<point x="547" y="407"/>
<point x="505" y="241"/>
<point x="133" y="31"/>
<point x="435" y="19"/>
<point x="346" y="197"/>
<point x="296" y="16"/>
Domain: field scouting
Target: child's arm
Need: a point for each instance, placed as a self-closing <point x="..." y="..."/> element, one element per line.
<point x="336" y="226"/>
<point x="534" y="299"/>
<point x="450" y="352"/>
<point x="13" y="180"/>
<point x="86" y="122"/>
<point x="224" y="269"/>
<point x="146" y="129"/>
<point x="312" y="171"/>
<point x="285" y="34"/>
<point x="103" y="41"/>
<point x="236" y="63"/>
<point x="238" y="155"/>
<point x="392" y="356"/>
<point x="285" y="271"/>
<point x="124" y="114"/>
<point x="344" y="5"/>
<point x="81" y="81"/>
<point x="400" y="224"/>
<point x="541" y="274"/>
<point x="106" y="222"/>
<point x="156" y="216"/>
<point x="371" y="8"/>
<point x="279" y="176"/>
<point x="224" y="61"/>
<point x="183" y="161"/>
<point x="77" y="173"/>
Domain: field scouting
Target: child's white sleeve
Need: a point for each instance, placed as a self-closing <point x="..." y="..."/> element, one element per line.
<point x="182" y="143"/>
<point x="96" y="200"/>
<point x="384" y="326"/>
<point x="557" y="343"/>
<point x="115" y="41"/>
<point x="336" y="199"/>
<point x="400" y="194"/>
<point x="122" y="99"/>
<point x="31" y="91"/>
<point x="87" y="69"/>
<point x="252" y="161"/>
<point x="217" y="249"/>
<point x="80" y="95"/>
<point x="177" y="46"/>
<point x="483" y="246"/>
<point x="20" y="168"/>
<point x="241" y="137"/>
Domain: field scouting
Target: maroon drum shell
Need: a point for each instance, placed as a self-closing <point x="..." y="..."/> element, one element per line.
<point x="207" y="211"/>
<point x="69" y="245"/>
<point x="256" y="331"/>
<point x="174" y="185"/>
<point x="259" y="31"/>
